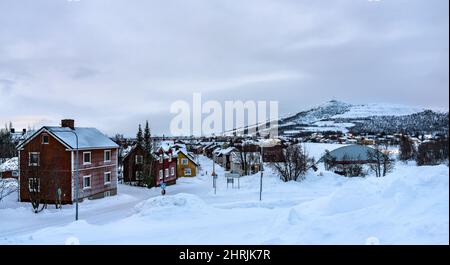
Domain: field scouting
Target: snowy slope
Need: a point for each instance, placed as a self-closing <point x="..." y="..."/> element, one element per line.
<point x="378" y="109"/>
<point x="409" y="206"/>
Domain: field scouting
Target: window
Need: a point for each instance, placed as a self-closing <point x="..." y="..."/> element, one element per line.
<point x="86" y="158"/>
<point x="107" y="155"/>
<point x="170" y="158"/>
<point x="167" y="172"/>
<point x="107" y="177"/>
<point x="139" y="175"/>
<point x="187" y="171"/>
<point x="33" y="185"/>
<point x="139" y="159"/>
<point x="33" y="159"/>
<point x="87" y="182"/>
<point x="184" y="161"/>
<point x="44" y="139"/>
<point x="161" y="174"/>
<point x="172" y="171"/>
<point x="161" y="159"/>
<point x="15" y="173"/>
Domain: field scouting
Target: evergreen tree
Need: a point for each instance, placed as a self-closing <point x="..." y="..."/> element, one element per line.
<point x="139" y="138"/>
<point x="148" y="158"/>
<point x="147" y="139"/>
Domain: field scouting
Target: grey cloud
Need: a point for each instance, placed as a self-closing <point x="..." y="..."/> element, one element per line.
<point x="113" y="64"/>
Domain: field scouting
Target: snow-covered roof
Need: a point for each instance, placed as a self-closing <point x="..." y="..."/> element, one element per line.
<point x="10" y="165"/>
<point x="352" y="153"/>
<point x="87" y="137"/>
<point x="226" y="151"/>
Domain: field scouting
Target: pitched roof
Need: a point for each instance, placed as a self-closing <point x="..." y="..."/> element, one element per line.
<point x="87" y="137"/>
<point x="10" y="165"/>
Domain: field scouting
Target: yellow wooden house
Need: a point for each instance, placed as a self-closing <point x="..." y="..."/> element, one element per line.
<point x="186" y="165"/>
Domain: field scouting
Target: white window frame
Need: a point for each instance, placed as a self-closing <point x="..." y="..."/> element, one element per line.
<point x="170" y="158"/>
<point x="38" y="186"/>
<point x="166" y="172"/>
<point x="90" y="182"/>
<point x="104" y="177"/>
<point x="42" y="138"/>
<point x="161" y="174"/>
<point x="104" y="155"/>
<point x="90" y="158"/>
<point x="185" y="161"/>
<point x="161" y="159"/>
<point x="137" y="160"/>
<point x="15" y="173"/>
<point x="186" y="170"/>
<point x="38" y="159"/>
<point x="172" y="171"/>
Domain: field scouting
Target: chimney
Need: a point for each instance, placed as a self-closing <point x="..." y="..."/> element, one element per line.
<point x="24" y="131"/>
<point x="68" y="123"/>
<point x="13" y="130"/>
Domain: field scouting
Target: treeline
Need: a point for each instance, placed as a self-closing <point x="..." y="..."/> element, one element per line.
<point x="7" y="145"/>
<point x="415" y="124"/>
<point x="431" y="152"/>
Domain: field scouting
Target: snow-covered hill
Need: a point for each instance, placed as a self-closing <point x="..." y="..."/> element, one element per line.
<point x="376" y="117"/>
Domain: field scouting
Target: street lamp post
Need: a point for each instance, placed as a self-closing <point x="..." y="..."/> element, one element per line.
<point x="76" y="172"/>
<point x="262" y="172"/>
<point x="213" y="174"/>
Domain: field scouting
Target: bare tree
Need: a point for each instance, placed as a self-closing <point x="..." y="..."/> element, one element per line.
<point x="407" y="150"/>
<point x="295" y="164"/>
<point x="379" y="162"/>
<point x="248" y="156"/>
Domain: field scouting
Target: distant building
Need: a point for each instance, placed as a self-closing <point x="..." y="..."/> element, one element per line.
<point x="10" y="168"/>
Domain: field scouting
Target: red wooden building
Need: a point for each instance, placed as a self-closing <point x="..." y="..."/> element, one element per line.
<point x="47" y="164"/>
<point x="164" y="166"/>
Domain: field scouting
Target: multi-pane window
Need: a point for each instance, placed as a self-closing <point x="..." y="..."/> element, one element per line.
<point x="107" y="177"/>
<point x="139" y="175"/>
<point x="161" y="176"/>
<point x="187" y="171"/>
<point x="33" y="185"/>
<point x="44" y="139"/>
<point x="86" y="182"/>
<point x="87" y="159"/>
<point x="167" y="172"/>
<point x="172" y="171"/>
<point x="33" y="159"/>
<point x="184" y="161"/>
<point x="139" y="159"/>
<point x="107" y="155"/>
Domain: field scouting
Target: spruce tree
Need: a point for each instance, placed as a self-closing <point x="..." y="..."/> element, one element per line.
<point x="148" y="159"/>
<point x="139" y="138"/>
<point x="147" y="139"/>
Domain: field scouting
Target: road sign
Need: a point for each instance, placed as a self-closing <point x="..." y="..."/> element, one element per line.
<point x="163" y="185"/>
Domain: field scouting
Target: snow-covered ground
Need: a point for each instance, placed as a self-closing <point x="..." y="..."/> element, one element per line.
<point x="409" y="206"/>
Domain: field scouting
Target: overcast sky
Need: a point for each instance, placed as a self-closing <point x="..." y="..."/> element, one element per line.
<point x="111" y="64"/>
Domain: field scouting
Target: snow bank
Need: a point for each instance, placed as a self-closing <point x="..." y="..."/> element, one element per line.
<point x="169" y="202"/>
